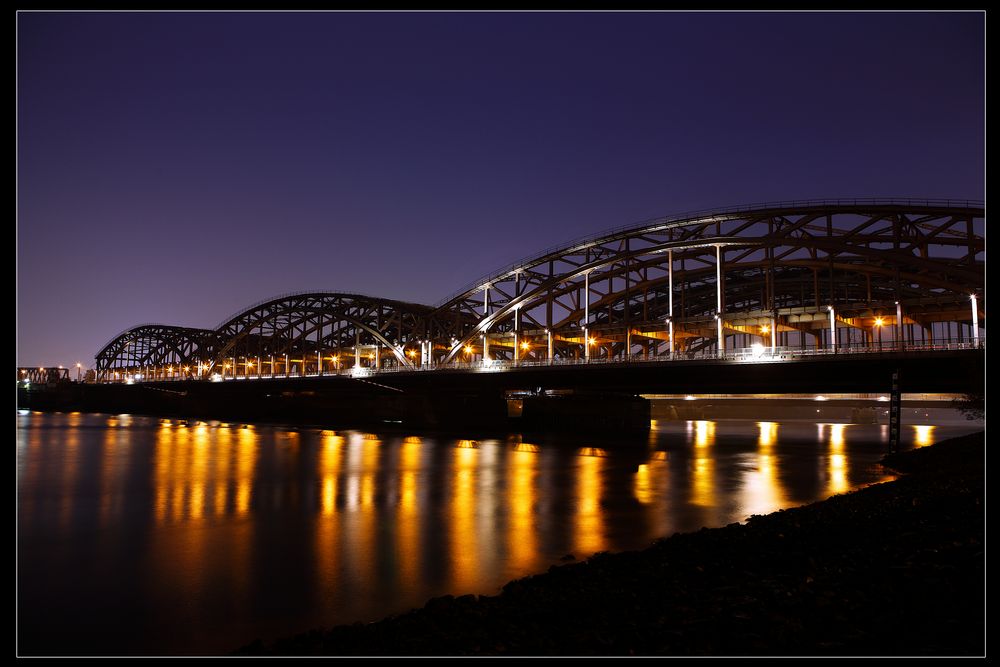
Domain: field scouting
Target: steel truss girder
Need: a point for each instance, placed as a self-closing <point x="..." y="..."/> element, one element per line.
<point x="912" y="246"/>
<point x="155" y="345"/>
<point x="324" y="321"/>
<point x="858" y="257"/>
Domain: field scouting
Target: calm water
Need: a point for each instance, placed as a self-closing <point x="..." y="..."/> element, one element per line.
<point x="145" y="536"/>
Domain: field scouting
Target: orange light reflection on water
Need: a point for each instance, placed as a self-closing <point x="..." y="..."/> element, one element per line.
<point x="762" y="490"/>
<point x="331" y="448"/>
<point x="703" y="470"/>
<point x="464" y="546"/>
<point x="837" y="467"/>
<point x="521" y="494"/>
<point x="923" y="435"/>
<point x="589" y="523"/>
<point x="408" y="509"/>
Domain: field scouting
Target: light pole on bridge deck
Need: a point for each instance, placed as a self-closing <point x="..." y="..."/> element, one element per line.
<point x="899" y="327"/>
<point x="586" y="316"/>
<point x="718" y="299"/>
<point x="975" y="319"/>
<point x="670" y="302"/>
<point x="670" y="337"/>
<point x="833" y="329"/>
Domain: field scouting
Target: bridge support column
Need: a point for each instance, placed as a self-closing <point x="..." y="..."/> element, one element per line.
<point x="548" y="336"/>
<point x="774" y="333"/>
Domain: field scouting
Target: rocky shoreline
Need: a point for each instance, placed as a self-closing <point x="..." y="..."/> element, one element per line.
<point x="894" y="569"/>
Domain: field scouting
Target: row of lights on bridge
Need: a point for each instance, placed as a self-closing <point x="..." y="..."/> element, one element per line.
<point x="525" y="345"/>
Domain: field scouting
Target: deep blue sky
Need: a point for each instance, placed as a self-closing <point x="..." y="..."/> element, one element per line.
<point x="176" y="168"/>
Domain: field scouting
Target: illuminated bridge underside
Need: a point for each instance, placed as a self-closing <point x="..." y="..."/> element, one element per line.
<point x="888" y="272"/>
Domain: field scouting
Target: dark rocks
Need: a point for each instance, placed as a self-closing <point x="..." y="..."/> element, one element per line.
<point x="896" y="569"/>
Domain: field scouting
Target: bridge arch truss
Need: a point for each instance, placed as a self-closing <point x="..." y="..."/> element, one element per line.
<point x="323" y="332"/>
<point x="153" y="351"/>
<point x="768" y="275"/>
<point x="824" y="275"/>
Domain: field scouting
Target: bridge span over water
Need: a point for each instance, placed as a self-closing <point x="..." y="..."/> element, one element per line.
<point x="792" y="281"/>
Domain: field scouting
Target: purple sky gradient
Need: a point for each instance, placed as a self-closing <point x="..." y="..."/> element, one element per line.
<point x="176" y="168"/>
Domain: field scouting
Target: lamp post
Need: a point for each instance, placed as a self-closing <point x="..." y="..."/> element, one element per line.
<point x="975" y="319"/>
<point x="833" y="329"/>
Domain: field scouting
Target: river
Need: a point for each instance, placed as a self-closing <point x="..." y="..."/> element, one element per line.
<point x="146" y="536"/>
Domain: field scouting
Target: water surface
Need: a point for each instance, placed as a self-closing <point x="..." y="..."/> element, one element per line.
<point x="150" y="537"/>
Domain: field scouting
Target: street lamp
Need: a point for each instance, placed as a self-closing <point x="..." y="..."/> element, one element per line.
<point x="975" y="319"/>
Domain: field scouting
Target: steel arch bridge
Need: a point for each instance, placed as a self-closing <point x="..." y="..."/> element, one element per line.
<point x="299" y="334"/>
<point x="148" y="350"/>
<point x="819" y="275"/>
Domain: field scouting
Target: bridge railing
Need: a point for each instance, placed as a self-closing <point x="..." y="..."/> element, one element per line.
<point x="757" y="353"/>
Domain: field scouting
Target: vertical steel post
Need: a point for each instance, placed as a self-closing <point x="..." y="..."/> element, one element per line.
<point x="975" y="319"/>
<point x="899" y="326"/>
<point x="718" y="298"/>
<point x="670" y="300"/>
<point x="833" y="329"/>
<point x="516" y="337"/>
<point x="586" y="316"/>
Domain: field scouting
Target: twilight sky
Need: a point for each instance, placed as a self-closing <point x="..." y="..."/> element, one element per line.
<point x="177" y="167"/>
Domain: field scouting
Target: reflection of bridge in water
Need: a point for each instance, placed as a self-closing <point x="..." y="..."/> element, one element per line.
<point x="796" y="281"/>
